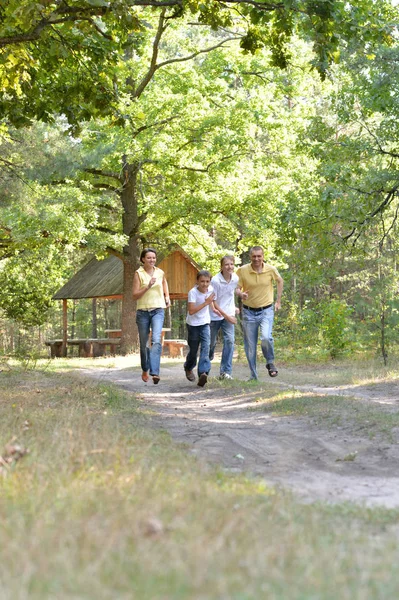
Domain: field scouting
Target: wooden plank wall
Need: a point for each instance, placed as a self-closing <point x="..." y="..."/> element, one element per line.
<point x="180" y="274"/>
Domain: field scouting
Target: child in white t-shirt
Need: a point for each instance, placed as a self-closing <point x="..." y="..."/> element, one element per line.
<point x="198" y="319"/>
<point x="224" y="285"/>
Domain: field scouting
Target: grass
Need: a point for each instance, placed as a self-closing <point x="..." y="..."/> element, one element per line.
<point x="103" y="506"/>
<point x="359" y="371"/>
<point x="360" y="416"/>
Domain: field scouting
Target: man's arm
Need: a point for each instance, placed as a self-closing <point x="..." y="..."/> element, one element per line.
<point x="280" y="287"/>
<point x="241" y="292"/>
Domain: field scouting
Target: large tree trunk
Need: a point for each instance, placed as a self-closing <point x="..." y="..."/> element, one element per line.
<point x="129" y="341"/>
<point x="131" y="223"/>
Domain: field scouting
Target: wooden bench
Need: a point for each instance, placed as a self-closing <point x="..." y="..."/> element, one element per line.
<point x="92" y="347"/>
<point x="175" y="347"/>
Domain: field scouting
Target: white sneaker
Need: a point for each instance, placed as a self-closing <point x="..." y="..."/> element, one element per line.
<point x="225" y="376"/>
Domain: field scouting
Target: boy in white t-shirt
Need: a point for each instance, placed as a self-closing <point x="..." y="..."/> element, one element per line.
<point x="198" y="319"/>
<point x="224" y="285"/>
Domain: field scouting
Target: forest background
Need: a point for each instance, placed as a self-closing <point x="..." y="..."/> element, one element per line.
<point x="213" y="125"/>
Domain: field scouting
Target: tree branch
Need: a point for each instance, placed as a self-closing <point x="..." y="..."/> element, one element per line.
<point x="156" y="124"/>
<point x="62" y="14"/>
<point x="190" y="232"/>
<point x="140" y="220"/>
<point x="102" y="173"/>
<point x="214" y="162"/>
<point x="107" y="207"/>
<point x="154" y="66"/>
<point x="380" y="208"/>
<point x="104" y="186"/>
<point x="105" y="230"/>
<point x="155" y="50"/>
<point x="194" y="54"/>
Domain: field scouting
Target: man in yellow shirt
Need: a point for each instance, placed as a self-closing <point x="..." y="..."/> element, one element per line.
<point x="256" y="289"/>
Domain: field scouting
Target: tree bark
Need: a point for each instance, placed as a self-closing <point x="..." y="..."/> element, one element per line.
<point x="130" y="220"/>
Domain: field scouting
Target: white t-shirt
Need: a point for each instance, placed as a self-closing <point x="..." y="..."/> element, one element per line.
<point x="224" y="295"/>
<point x="203" y="316"/>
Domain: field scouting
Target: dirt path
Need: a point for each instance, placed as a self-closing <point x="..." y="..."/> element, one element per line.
<point x="293" y="453"/>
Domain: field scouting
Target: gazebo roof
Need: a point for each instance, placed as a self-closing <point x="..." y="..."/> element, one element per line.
<point x="97" y="279"/>
<point x="104" y="278"/>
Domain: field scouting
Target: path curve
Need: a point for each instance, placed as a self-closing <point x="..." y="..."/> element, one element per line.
<point x="222" y="424"/>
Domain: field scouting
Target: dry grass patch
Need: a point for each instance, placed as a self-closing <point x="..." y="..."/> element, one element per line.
<point x="104" y="507"/>
<point x="359" y="415"/>
<point x="340" y="372"/>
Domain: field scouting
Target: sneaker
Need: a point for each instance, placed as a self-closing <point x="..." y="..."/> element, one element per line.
<point x="225" y="376"/>
<point x="145" y="376"/>
<point x="203" y="378"/>
<point x="156" y="379"/>
<point x="190" y="375"/>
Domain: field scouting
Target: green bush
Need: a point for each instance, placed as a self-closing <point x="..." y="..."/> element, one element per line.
<point x="335" y="326"/>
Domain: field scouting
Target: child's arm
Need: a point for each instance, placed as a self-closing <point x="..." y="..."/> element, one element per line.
<point x="194" y="308"/>
<point x="229" y="318"/>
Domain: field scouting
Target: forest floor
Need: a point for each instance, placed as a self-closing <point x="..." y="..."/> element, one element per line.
<point x="305" y="430"/>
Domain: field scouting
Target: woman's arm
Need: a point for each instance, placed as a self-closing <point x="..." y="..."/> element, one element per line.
<point x="165" y="288"/>
<point x="138" y="292"/>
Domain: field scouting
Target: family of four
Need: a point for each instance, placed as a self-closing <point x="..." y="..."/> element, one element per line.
<point x="211" y="307"/>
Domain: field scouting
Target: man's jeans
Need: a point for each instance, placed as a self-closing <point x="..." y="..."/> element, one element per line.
<point x="150" y="356"/>
<point x="252" y="322"/>
<point x="199" y="337"/>
<point x="226" y="364"/>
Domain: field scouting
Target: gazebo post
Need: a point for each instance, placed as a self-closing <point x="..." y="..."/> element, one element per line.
<point x="105" y="279"/>
<point x="94" y="318"/>
<point x="64" y="327"/>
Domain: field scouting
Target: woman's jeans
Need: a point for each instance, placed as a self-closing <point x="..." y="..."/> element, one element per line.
<point x="226" y="364"/>
<point x="150" y="356"/>
<point x="199" y="337"/>
<point x="254" y="321"/>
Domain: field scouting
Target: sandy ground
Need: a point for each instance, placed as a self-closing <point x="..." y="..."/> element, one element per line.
<point x="219" y="424"/>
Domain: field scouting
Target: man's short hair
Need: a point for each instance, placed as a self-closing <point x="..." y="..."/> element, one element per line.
<point x="255" y="248"/>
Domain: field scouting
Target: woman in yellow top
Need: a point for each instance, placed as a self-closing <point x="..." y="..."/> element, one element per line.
<point x="150" y="289"/>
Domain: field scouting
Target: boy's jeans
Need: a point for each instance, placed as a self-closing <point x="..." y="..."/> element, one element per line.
<point x="252" y="322"/>
<point x="199" y="337"/>
<point x="150" y="357"/>
<point x="226" y="364"/>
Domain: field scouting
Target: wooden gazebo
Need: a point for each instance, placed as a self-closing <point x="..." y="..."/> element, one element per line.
<point x="104" y="279"/>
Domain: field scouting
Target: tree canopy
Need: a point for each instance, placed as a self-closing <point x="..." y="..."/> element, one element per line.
<point x="60" y="57"/>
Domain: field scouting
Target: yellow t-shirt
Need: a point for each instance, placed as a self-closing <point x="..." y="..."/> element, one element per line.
<point x="258" y="285"/>
<point x="154" y="297"/>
